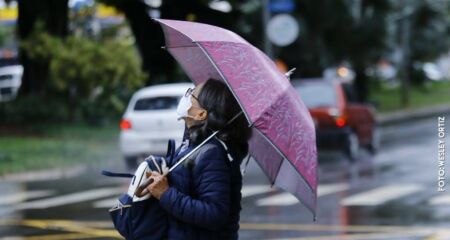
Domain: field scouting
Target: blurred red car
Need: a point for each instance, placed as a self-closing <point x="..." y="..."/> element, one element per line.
<point x="339" y="124"/>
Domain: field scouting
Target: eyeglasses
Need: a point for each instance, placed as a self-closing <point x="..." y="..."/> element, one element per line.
<point x="190" y="91"/>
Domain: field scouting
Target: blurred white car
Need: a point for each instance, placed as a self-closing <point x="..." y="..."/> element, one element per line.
<point x="150" y="120"/>
<point x="10" y="81"/>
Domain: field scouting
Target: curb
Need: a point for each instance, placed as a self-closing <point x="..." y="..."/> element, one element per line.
<point x="408" y="115"/>
<point x="44" y="175"/>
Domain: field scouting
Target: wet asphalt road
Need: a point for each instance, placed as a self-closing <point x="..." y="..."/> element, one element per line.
<point x="392" y="195"/>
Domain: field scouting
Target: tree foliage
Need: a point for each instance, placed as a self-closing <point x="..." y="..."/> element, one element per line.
<point x="149" y="37"/>
<point x="91" y="79"/>
<point x="53" y="15"/>
<point x="430" y="29"/>
<point x="332" y="32"/>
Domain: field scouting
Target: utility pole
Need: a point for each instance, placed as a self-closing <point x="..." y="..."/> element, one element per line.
<point x="405" y="45"/>
<point x="268" y="48"/>
<point x="403" y="21"/>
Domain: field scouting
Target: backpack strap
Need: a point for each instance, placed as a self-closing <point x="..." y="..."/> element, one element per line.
<point x="192" y="160"/>
<point x="150" y="162"/>
<point x="115" y="174"/>
<point x="170" y="148"/>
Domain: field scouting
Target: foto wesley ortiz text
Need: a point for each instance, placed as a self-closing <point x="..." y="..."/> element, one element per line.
<point x="441" y="154"/>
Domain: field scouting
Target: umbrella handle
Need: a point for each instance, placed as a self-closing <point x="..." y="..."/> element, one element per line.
<point x="142" y="190"/>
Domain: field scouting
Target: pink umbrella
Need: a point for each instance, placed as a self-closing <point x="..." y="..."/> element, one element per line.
<point x="283" y="139"/>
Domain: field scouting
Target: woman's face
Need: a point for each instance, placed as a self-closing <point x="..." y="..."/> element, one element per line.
<point x="196" y="111"/>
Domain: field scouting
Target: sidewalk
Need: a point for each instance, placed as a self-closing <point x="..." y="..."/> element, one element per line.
<point x="407" y="115"/>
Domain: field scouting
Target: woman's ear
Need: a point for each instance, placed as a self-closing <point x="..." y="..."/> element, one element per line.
<point x="202" y="115"/>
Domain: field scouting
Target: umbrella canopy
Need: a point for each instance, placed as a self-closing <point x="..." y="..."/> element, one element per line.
<point x="283" y="136"/>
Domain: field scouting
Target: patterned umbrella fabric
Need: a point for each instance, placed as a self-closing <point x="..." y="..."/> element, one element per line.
<point x="283" y="135"/>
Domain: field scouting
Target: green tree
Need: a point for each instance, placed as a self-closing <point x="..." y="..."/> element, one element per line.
<point x="430" y="27"/>
<point x="148" y="34"/>
<point x="54" y="16"/>
<point x="3" y="33"/>
<point x="365" y="42"/>
<point x="336" y="31"/>
<point x="91" y="79"/>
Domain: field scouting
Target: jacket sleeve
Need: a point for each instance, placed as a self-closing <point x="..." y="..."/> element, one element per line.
<point x="210" y="209"/>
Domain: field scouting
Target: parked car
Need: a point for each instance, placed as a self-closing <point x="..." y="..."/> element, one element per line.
<point x="150" y="120"/>
<point x="10" y="81"/>
<point x="339" y="124"/>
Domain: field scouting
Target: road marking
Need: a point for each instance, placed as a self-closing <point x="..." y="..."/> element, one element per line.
<point x="325" y="189"/>
<point x="337" y="228"/>
<point x="69" y="198"/>
<point x="65" y="225"/>
<point x="286" y="199"/>
<point x="282" y="199"/>
<point x="250" y="190"/>
<point x="365" y="236"/>
<point x="440" y="235"/>
<point x="381" y="195"/>
<point x="440" y="200"/>
<point x="97" y="229"/>
<point x="44" y="175"/>
<point x="22" y="196"/>
<point x="106" y="203"/>
<point x="63" y="236"/>
<point x="247" y="191"/>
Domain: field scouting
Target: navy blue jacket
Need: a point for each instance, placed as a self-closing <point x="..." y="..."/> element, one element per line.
<point x="204" y="196"/>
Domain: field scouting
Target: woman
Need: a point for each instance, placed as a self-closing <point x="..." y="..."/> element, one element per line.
<point x="202" y="197"/>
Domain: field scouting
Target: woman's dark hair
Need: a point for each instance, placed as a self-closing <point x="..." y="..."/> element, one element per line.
<point x="217" y="99"/>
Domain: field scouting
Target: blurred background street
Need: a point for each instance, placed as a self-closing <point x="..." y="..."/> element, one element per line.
<point x="389" y="196"/>
<point x="85" y="85"/>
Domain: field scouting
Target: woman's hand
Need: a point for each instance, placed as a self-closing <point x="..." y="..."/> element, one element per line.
<point x="159" y="185"/>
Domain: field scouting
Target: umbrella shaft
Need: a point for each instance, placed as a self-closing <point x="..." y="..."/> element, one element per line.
<point x="204" y="141"/>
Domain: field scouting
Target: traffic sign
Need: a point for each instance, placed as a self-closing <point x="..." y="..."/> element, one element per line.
<point x="282" y="30"/>
<point x="281" y="6"/>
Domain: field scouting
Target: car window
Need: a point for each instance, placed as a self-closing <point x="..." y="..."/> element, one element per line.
<point x="317" y="95"/>
<point x="156" y="103"/>
<point x="6" y="77"/>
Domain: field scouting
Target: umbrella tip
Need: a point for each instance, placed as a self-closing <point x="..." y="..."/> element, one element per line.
<point x="289" y="73"/>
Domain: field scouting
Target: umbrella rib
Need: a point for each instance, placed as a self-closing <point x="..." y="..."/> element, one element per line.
<point x="166" y="34"/>
<point x="302" y="180"/>
<point x="224" y="80"/>
<point x="213" y="63"/>
<point x="243" y="109"/>
<point x="284" y="157"/>
<point x="181" y="46"/>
